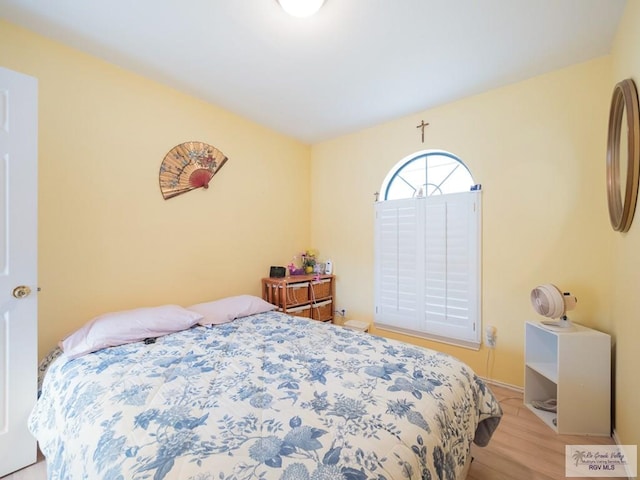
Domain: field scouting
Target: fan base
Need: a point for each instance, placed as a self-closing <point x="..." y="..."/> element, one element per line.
<point x="563" y="325"/>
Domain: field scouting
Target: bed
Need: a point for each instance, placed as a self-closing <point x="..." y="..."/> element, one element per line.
<point x="266" y="396"/>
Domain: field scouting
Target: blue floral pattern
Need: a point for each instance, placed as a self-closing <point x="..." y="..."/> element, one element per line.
<point x="268" y="396"/>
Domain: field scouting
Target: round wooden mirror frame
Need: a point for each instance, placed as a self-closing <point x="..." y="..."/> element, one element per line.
<point x="622" y="203"/>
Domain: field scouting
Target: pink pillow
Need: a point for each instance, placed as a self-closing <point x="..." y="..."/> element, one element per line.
<point x="228" y="309"/>
<point x="118" y="328"/>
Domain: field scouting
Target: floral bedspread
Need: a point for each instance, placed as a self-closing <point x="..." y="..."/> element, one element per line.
<point x="268" y="396"/>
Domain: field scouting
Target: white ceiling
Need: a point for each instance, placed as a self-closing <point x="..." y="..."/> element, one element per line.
<point x="355" y="64"/>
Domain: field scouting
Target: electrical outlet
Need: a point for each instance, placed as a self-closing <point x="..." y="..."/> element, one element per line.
<point x="490" y="336"/>
<point x="342" y="312"/>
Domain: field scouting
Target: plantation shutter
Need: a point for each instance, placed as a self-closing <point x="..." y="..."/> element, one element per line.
<point x="397" y="271"/>
<point x="427" y="267"/>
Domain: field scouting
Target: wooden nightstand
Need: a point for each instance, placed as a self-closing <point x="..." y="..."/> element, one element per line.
<point x="310" y="296"/>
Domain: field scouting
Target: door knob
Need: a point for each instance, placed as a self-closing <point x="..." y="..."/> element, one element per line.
<point x="21" y="291"/>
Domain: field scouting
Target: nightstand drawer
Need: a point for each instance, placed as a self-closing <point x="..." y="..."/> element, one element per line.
<point x="322" y="311"/>
<point x="303" y="311"/>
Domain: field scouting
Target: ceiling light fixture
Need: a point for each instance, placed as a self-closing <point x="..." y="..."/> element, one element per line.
<point x="301" y="8"/>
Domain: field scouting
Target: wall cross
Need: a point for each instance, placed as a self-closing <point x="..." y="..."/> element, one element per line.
<point x="422" y="125"/>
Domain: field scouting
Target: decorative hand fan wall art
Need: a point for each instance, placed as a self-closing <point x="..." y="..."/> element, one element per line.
<point x="188" y="166"/>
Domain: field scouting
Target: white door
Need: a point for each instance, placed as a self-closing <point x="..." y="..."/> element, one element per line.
<point x="18" y="267"/>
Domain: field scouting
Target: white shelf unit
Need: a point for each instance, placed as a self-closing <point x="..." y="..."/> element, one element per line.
<point x="574" y="367"/>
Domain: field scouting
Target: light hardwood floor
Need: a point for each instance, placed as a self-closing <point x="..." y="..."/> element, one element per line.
<point x="522" y="448"/>
<point x="37" y="471"/>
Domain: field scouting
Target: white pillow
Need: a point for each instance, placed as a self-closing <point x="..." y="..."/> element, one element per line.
<point x="118" y="328"/>
<point x="228" y="309"/>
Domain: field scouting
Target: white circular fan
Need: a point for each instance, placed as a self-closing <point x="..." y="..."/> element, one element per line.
<point x="549" y="301"/>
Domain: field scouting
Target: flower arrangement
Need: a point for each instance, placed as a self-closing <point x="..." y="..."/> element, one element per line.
<point x="309" y="260"/>
<point x="303" y="263"/>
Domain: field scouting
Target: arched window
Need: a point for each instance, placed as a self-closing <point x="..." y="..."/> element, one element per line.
<point x="423" y="174"/>
<point x="427" y="250"/>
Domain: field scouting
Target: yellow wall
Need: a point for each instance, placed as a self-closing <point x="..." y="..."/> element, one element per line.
<point x="107" y="238"/>
<point x="109" y="241"/>
<point x="538" y="149"/>
<point x="625" y="280"/>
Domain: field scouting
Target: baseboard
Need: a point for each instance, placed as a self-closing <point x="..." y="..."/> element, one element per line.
<point x="616" y="439"/>
<point x="503" y="385"/>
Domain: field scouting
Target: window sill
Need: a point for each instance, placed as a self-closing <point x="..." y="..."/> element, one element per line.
<point x="469" y="344"/>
